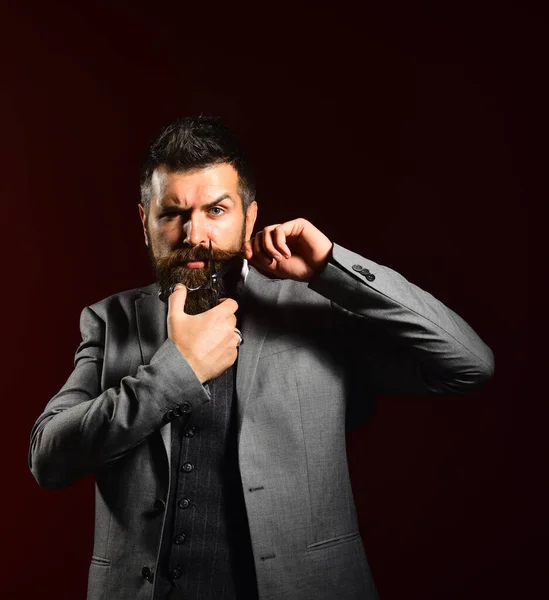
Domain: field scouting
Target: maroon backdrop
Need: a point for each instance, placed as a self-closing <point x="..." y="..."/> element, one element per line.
<point x="395" y="129"/>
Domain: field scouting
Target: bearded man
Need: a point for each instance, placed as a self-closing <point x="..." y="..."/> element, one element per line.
<point x="214" y="417"/>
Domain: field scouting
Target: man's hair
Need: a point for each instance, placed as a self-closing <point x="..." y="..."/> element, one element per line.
<point x="194" y="143"/>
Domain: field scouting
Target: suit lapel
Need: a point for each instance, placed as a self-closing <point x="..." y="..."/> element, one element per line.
<point x="258" y="302"/>
<point x="151" y="315"/>
<point x="152" y="332"/>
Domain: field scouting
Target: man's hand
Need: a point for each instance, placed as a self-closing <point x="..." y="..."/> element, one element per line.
<point x="208" y="341"/>
<point x="292" y="250"/>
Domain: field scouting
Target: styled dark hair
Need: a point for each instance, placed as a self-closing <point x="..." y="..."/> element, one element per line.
<point x="193" y="143"/>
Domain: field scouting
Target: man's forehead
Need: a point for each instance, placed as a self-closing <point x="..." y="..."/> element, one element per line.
<point x="189" y="186"/>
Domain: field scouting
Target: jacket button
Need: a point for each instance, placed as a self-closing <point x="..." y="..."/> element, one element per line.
<point x="190" y="432"/>
<point x="357" y="268"/>
<point x="176" y="573"/>
<point x="370" y="276"/>
<point x="159" y="506"/>
<point x="179" y="539"/>
<point x="169" y="416"/>
<point x="184" y="503"/>
<point x="185" y="407"/>
<point x="147" y="573"/>
<point x="187" y="467"/>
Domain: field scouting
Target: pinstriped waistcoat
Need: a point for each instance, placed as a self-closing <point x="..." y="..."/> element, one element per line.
<point x="205" y="549"/>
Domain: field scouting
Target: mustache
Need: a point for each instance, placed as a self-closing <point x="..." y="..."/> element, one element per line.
<point x="196" y="253"/>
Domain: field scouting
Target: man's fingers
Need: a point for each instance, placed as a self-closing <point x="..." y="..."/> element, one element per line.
<point x="177" y="299"/>
<point x="279" y="240"/>
<point x="260" y="252"/>
<point x="269" y="246"/>
<point x="226" y="306"/>
<point x="270" y="243"/>
<point x="274" y="242"/>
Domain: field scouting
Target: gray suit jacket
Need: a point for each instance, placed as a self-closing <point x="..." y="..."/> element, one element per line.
<point x="314" y="357"/>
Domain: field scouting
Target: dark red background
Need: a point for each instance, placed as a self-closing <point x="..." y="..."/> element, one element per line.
<point x="398" y="130"/>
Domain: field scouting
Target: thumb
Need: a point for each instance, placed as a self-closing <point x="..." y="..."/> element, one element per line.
<point x="177" y="299"/>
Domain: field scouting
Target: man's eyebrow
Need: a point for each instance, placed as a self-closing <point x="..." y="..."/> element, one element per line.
<point x="176" y="208"/>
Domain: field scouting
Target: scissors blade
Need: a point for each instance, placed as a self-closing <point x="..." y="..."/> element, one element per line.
<point x="214" y="285"/>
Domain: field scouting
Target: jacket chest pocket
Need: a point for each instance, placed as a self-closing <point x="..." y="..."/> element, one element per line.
<point x="334" y="541"/>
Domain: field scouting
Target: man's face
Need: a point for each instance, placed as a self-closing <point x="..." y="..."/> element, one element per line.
<point x="187" y="211"/>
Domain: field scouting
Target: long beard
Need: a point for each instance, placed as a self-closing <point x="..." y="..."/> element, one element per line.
<point x="171" y="269"/>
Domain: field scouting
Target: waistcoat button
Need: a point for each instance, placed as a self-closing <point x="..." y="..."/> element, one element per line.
<point x="191" y="431"/>
<point x="176" y="573"/>
<point x="184" y="503"/>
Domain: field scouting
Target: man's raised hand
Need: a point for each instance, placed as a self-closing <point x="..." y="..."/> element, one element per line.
<point x="292" y="250"/>
<point x="208" y="341"/>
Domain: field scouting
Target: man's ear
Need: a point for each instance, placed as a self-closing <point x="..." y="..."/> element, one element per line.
<point x="143" y="217"/>
<point x="251" y="216"/>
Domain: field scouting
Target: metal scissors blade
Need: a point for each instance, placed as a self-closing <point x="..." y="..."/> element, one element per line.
<point x="213" y="272"/>
<point x="214" y="284"/>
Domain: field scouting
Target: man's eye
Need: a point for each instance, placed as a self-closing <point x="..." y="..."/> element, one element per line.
<point x="217" y="208"/>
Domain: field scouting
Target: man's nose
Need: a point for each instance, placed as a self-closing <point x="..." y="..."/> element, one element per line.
<point x="195" y="232"/>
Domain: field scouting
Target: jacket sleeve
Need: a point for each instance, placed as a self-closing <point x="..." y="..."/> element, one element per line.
<point x="83" y="427"/>
<point x="410" y="342"/>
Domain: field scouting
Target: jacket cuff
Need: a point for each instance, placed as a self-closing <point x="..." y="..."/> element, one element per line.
<point x="347" y="272"/>
<point x="180" y="388"/>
